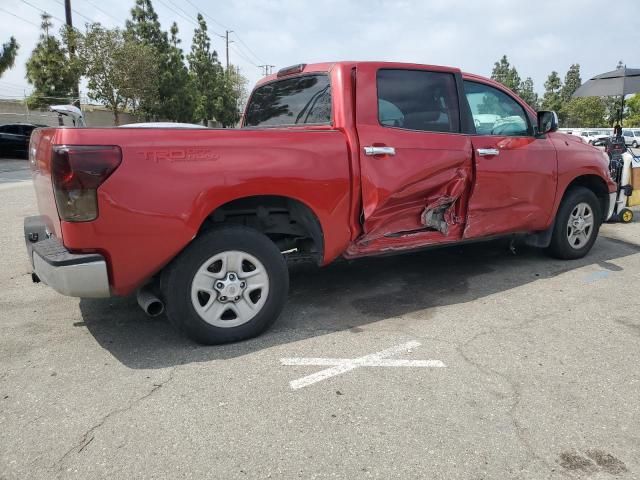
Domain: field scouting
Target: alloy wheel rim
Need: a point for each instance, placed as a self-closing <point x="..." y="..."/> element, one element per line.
<point x="580" y="225"/>
<point x="229" y="289"/>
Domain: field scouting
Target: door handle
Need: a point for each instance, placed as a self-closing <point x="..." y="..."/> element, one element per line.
<point x="488" y="152"/>
<point x="370" y="151"/>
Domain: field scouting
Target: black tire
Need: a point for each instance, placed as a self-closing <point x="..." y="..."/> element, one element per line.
<point x="560" y="246"/>
<point x="626" y="215"/>
<point x="634" y="144"/>
<point x="177" y="280"/>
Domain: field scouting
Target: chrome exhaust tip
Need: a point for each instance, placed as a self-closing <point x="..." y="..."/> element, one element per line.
<point x="149" y="302"/>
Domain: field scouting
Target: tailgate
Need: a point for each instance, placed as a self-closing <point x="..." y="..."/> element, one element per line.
<point x="40" y="149"/>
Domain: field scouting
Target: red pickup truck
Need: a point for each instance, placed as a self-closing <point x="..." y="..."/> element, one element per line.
<point x="336" y="159"/>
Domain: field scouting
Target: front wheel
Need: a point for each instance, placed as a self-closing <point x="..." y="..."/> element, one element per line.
<point x="577" y="224"/>
<point x="634" y="144"/>
<point x="230" y="284"/>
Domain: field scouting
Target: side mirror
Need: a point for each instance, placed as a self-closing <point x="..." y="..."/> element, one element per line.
<point x="547" y="122"/>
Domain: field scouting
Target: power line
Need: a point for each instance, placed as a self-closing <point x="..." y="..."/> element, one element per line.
<point x="77" y="12"/>
<point x="42" y="11"/>
<point x="247" y="47"/>
<point x="209" y="17"/>
<point x="172" y="6"/>
<point x="244" y="50"/>
<point x="244" y="57"/>
<point x="19" y="17"/>
<point x="103" y="11"/>
<point x="198" y="9"/>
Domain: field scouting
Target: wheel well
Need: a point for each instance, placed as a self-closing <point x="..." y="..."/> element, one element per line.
<point x="597" y="185"/>
<point x="291" y="224"/>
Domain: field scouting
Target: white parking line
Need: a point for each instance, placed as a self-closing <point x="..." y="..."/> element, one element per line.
<point x="343" y="365"/>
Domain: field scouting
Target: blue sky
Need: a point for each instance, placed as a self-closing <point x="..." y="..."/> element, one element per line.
<point x="538" y="36"/>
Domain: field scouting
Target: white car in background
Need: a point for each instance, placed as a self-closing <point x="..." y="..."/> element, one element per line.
<point x="631" y="137"/>
<point x="594" y="137"/>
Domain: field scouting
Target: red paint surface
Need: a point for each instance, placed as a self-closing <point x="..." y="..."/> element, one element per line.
<point x="170" y="180"/>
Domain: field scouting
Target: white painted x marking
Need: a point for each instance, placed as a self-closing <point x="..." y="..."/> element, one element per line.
<point x="343" y="365"/>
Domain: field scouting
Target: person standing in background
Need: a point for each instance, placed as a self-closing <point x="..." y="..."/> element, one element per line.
<point x="617" y="130"/>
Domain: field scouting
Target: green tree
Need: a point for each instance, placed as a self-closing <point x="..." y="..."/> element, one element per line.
<point x="175" y="84"/>
<point x="507" y="75"/>
<point x="8" y="54"/>
<point x="528" y="94"/>
<point x="614" y="104"/>
<point x="206" y="74"/>
<point x="572" y="82"/>
<point x="144" y="26"/>
<point x="144" y="29"/>
<point x="119" y="71"/>
<point x="49" y="70"/>
<point x="633" y="111"/>
<point x="227" y="103"/>
<point x="552" y="99"/>
<point x="70" y="39"/>
<point x="585" y="112"/>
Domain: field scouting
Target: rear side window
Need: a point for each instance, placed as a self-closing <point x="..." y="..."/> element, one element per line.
<point x="418" y="100"/>
<point x="291" y="101"/>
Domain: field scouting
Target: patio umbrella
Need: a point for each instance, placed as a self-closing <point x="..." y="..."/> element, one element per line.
<point x="623" y="81"/>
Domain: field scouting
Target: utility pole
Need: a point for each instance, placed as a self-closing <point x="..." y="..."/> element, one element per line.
<point x="72" y="46"/>
<point x="266" y="69"/>
<point x="228" y="42"/>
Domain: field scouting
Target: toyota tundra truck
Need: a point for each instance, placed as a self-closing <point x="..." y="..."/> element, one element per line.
<point x="345" y="159"/>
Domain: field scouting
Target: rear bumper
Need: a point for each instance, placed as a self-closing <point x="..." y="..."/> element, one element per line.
<point x="75" y="275"/>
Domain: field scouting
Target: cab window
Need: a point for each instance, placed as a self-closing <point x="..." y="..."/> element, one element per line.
<point x="496" y="113"/>
<point x="291" y="101"/>
<point x="418" y="100"/>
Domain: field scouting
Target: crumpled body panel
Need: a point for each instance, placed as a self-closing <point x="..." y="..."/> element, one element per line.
<point x="429" y="177"/>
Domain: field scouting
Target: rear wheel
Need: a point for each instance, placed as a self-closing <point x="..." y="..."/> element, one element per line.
<point x="635" y="144"/>
<point x="577" y="224"/>
<point x="230" y="284"/>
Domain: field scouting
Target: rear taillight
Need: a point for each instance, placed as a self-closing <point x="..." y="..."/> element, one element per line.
<point x="77" y="172"/>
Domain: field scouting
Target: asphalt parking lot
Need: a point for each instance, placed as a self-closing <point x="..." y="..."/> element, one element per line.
<point x="478" y="364"/>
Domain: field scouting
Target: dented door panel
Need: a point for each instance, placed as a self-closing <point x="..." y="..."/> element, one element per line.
<point x="428" y="171"/>
<point x="417" y="193"/>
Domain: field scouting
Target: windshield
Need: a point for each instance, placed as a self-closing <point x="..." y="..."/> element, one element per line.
<point x="292" y="101"/>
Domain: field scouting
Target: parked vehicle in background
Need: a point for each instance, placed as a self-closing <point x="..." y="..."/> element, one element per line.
<point x="631" y="137"/>
<point x="594" y="137"/>
<point x="346" y="159"/>
<point x="14" y="139"/>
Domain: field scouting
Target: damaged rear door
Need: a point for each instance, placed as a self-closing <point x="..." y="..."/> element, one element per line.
<point x="416" y="165"/>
